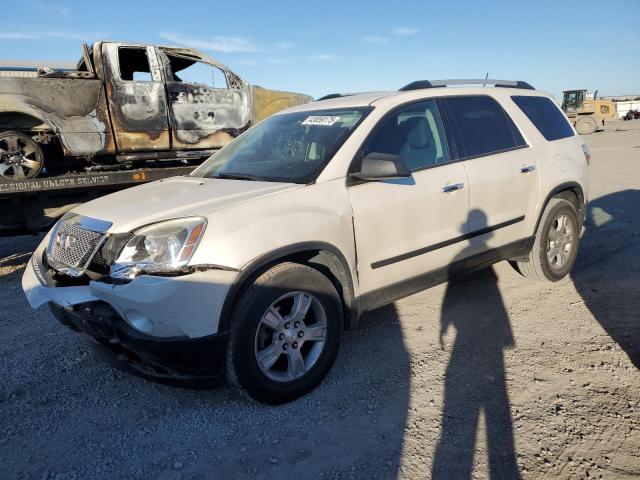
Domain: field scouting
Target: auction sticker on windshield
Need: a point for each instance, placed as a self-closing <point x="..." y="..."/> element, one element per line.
<point x="323" y="120"/>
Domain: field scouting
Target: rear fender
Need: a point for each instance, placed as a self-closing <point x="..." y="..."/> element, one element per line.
<point x="74" y="109"/>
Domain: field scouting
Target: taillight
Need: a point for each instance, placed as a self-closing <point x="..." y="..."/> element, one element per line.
<point x="587" y="153"/>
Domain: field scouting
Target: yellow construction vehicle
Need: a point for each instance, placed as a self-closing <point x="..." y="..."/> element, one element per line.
<point x="586" y="111"/>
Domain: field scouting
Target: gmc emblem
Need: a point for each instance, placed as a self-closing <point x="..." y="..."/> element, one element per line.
<point x="65" y="241"/>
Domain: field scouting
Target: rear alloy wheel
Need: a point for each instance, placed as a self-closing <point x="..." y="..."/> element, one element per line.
<point x="556" y="243"/>
<point x="560" y="242"/>
<point x="21" y="158"/>
<point x="285" y="333"/>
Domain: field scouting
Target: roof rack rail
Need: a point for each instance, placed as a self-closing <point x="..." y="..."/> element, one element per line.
<point x="339" y="95"/>
<point x="419" y="84"/>
<point x="332" y="95"/>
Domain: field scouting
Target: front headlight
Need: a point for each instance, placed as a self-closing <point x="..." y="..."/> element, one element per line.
<point x="163" y="247"/>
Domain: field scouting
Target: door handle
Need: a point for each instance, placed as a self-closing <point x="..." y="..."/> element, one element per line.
<point x="453" y="187"/>
<point x="527" y="169"/>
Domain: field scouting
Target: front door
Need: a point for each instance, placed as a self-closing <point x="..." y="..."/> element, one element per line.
<point x="409" y="227"/>
<point x="136" y="97"/>
<point x="204" y="110"/>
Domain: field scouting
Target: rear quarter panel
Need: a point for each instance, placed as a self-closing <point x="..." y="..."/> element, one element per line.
<point x="560" y="162"/>
<point x="74" y="108"/>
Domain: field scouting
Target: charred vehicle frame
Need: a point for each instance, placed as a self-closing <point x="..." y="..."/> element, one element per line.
<point x="125" y="103"/>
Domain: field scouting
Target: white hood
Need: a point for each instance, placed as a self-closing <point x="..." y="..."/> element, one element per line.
<point x="172" y="198"/>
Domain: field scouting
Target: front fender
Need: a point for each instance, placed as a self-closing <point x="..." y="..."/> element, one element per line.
<point x="238" y="234"/>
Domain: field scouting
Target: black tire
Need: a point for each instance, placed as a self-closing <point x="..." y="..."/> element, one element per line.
<point x="243" y="369"/>
<point x="21" y="158"/>
<point x="586" y="125"/>
<point x="538" y="266"/>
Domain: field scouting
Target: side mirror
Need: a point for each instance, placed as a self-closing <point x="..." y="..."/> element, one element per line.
<point x="381" y="166"/>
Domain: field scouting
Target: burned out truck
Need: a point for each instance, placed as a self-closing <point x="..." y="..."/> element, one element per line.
<point x="125" y="104"/>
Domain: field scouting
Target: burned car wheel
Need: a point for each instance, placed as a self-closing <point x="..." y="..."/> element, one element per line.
<point x="285" y="334"/>
<point x="21" y="158"/>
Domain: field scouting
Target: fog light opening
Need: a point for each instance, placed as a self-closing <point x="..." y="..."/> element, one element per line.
<point x="139" y="321"/>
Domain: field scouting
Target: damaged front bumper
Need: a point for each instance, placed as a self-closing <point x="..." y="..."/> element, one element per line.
<point x="160" y="327"/>
<point x="191" y="362"/>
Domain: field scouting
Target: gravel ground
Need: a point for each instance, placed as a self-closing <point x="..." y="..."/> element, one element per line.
<point x="530" y="380"/>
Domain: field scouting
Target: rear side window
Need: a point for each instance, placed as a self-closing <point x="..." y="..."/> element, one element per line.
<point x="483" y="126"/>
<point x="546" y="117"/>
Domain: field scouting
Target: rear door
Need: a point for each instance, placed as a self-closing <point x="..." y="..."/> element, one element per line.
<point x="205" y="112"/>
<point x="136" y="97"/>
<point x="500" y="166"/>
<point x="406" y="228"/>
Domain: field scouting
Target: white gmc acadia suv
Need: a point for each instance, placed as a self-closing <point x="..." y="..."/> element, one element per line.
<point x="256" y="262"/>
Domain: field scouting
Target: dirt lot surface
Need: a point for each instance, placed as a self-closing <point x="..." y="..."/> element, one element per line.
<point x="531" y="380"/>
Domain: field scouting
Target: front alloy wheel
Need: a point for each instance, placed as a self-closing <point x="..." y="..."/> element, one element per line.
<point x="291" y="336"/>
<point x="285" y="333"/>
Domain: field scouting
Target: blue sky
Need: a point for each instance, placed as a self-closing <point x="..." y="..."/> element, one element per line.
<point x="330" y="46"/>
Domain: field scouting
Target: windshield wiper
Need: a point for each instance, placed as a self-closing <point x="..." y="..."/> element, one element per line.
<point x="236" y="176"/>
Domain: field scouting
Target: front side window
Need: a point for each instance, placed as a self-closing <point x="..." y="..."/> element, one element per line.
<point x="545" y="116"/>
<point x="134" y="64"/>
<point x="291" y="147"/>
<point x="414" y="133"/>
<point x="483" y="125"/>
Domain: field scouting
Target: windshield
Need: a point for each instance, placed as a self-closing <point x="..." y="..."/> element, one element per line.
<point x="292" y="147"/>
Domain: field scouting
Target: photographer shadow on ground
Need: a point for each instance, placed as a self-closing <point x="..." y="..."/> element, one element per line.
<point x="607" y="270"/>
<point x="475" y="380"/>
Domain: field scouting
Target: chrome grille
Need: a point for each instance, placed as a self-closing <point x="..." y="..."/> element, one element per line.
<point x="74" y="242"/>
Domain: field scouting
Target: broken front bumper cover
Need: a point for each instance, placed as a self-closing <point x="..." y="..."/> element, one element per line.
<point x="179" y="343"/>
<point x="194" y="362"/>
<point x="186" y="305"/>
